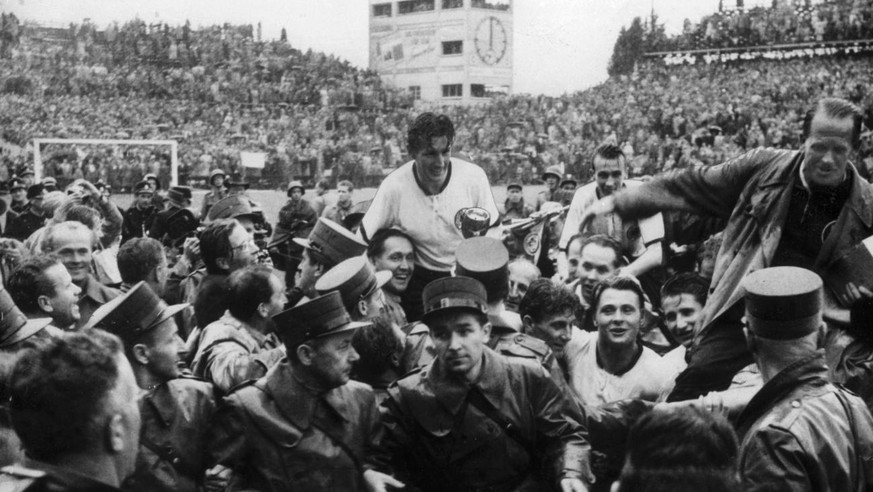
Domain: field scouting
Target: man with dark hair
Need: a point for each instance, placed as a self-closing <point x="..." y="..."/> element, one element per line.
<point x="599" y="258"/>
<point x="799" y="432"/>
<point x="611" y="364"/>
<point x="143" y="259"/>
<point x="801" y="208"/>
<point x="424" y="197"/>
<point x="42" y="288"/>
<point x="548" y="312"/>
<point x="343" y="206"/>
<point x="176" y="412"/>
<point x="73" y="243"/>
<point x="74" y="406"/>
<point x="138" y="218"/>
<point x="225" y="247"/>
<point x="241" y="344"/>
<point x="680" y="450"/>
<point x="392" y="250"/>
<point x="380" y="348"/>
<point x="474" y="420"/>
<point x="304" y="425"/>
<point x="640" y="239"/>
<point x="682" y="299"/>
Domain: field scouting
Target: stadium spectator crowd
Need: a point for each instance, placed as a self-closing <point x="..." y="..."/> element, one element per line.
<point x="688" y="331"/>
<point x="231" y="91"/>
<point x="781" y="22"/>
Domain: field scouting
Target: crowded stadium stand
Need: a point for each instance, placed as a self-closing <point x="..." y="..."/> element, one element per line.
<point x="222" y="89"/>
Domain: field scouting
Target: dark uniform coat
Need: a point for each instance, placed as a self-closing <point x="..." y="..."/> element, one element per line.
<point x="137" y="223"/>
<point x="176" y="417"/>
<point x="801" y="433"/>
<point x="24" y="225"/>
<point x="278" y="435"/>
<point x="440" y="441"/>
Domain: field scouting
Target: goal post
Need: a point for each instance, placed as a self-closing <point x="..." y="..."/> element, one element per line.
<point x="39" y="142"/>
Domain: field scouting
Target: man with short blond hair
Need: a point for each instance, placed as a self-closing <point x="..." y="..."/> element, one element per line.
<point x="73" y="244"/>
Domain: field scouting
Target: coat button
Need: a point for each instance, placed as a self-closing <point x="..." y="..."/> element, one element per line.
<point x="795" y="404"/>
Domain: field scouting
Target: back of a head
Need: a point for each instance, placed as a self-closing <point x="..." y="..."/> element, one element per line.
<point x="138" y="257"/>
<point x="680" y="450"/>
<point x="60" y="389"/>
<point x="86" y="215"/>
<point x="379" y="348"/>
<point x="247" y="289"/>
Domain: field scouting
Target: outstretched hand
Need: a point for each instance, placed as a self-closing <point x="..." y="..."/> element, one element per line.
<point x="605" y="205"/>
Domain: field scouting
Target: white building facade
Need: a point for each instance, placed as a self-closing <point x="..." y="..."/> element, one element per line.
<point x="444" y="51"/>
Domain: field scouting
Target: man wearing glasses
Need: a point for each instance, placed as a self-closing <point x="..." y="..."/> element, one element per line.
<point x="640" y="239"/>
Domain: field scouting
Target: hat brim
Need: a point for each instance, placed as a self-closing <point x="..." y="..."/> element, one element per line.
<point x="168" y="313"/>
<point x="302" y="242"/>
<point x="30" y="328"/>
<point x="545" y="176"/>
<point x="382" y="278"/>
<point x="354" y="325"/>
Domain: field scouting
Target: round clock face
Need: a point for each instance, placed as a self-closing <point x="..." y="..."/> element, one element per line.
<point x="490" y="40"/>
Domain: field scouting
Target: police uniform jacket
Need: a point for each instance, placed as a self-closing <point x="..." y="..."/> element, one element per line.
<point x="137" y="222"/>
<point x="438" y="440"/>
<point x="176" y="417"/>
<point x="24" y="225"/>
<point x="801" y="433"/>
<point x="278" y="435"/>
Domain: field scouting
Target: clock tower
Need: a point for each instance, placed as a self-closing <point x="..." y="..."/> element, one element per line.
<point x="445" y="51"/>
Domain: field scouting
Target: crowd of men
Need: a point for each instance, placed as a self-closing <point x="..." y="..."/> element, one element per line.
<point x="404" y="343"/>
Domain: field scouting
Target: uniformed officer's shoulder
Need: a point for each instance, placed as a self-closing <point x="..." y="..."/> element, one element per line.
<point x="526" y="346"/>
<point x="355" y="387"/>
<point x="17" y="478"/>
<point x="247" y="385"/>
<point x="192" y="384"/>
<point x="411" y="377"/>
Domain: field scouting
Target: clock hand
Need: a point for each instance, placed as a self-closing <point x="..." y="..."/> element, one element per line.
<point x="491" y="33"/>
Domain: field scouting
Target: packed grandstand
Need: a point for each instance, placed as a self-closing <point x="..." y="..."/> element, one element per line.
<point x="221" y="89"/>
